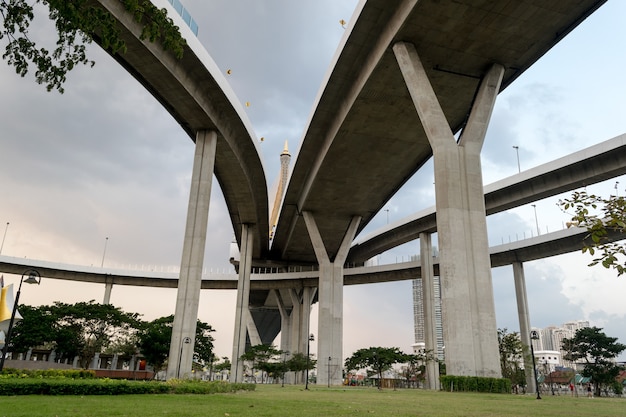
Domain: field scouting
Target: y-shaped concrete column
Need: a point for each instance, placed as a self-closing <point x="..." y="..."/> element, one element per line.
<point x="428" y="304"/>
<point x="330" y="316"/>
<point x="190" y="279"/>
<point x="467" y="295"/>
<point x="524" y="322"/>
<point x="242" y="314"/>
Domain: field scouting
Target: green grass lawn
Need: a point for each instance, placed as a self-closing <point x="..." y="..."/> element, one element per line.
<point x="272" y="400"/>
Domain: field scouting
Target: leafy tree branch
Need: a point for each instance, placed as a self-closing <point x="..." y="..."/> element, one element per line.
<point x="601" y="217"/>
<point x="77" y="23"/>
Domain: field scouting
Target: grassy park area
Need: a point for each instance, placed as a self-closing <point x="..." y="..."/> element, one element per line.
<point x="272" y="400"/>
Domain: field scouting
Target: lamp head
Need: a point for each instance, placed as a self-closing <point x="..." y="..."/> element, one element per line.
<point x="311" y="337"/>
<point x="33" y="277"/>
<point x="534" y="335"/>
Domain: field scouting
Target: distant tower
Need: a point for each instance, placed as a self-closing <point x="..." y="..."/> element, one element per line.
<point x="285" y="159"/>
<point x="418" y="313"/>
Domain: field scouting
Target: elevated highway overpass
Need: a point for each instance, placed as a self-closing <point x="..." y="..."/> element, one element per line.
<point x="411" y="80"/>
<point x="524" y="250"/>
<point x="589" y="166"/>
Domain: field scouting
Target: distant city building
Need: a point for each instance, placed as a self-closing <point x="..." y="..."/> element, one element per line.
<point x="548" y="360"/>
<point x="418" y="314"/>
<point x="551" y="341"/>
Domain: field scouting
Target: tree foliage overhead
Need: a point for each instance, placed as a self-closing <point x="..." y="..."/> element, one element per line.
<point x="600" y="216"/>
<point x="597" y="352"/>
<point x="77" y="23"/>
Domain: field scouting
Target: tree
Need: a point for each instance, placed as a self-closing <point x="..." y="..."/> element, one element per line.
<point x="33" y="330"/>
<point x="93" y="327"/>
<point x="415" y="370"/>
<point x="601" y="217"/>
<point x="154" y="338"/>
<point x="298" y="363"/>
<point x="262" y="357"/>
<point x="511" y="356"/>
<point x="376" y="359"/>
<point x="222" y="366"/>
<point x="77" y="23"/>
<point x="153" y="341"/>
<point x="597" y="351"/>
<point x="203" y="347"/>
<point x="80" y="329"/>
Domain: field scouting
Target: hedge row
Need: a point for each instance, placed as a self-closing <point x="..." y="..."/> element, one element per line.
<point x="475" y="384"/>
<point x="47" y="373"/>
<point x="56" y="386"/>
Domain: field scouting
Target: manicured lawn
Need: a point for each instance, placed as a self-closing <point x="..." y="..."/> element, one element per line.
<point x="295" y="401"/>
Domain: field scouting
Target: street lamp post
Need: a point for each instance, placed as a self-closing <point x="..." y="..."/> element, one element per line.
<point x="284" y="360"/>
<point x="534" y="335"/>
<point x="517" y="153"/>
<point x="7" y="228"/>
<point x="329" y="359"/>
<point x="33" y="278"/>
<point x="308" y="347"/>
<point x="536" y="221"/>
<point x="549" y="371"/>
<point x="186" y="341"/>
<point x="104" y="252"/>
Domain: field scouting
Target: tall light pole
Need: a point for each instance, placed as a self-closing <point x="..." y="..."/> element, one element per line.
<point x="536" y="221"/>
<point x="308" y="350"/>
<point x="186" y="341"/>
<point x="5" y="236"/>
<point x="534" y="335"/>
<point x="33" y="278"/>
<point x="330" y="358"/>
<point x="285" y="353"/>
<point x="106" y="240"/>
<point x="517" y="153"/>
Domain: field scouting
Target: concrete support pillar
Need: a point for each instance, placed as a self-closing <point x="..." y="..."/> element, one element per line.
<point x="330" y="317"/>
<point x="470" y="333"/>
<point x="108" y="287"/>
<point x="286" y="328"/>
<point x="286" y="325"/>
<point x="428" y="302"/>
<point x="295" y="327"/>
<point x="253" y="332"/>
<point x="190" y="279"/>
<point x="242" y="309"/>
<point x="524" y="322"/>
<point x="301" y="321"/>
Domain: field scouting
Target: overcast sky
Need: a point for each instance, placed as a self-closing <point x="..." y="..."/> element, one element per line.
<point x="105" y="160"/>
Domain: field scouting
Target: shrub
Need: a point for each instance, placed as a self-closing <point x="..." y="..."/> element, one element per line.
<point x="475" y="384"/>
<point x="104" y="386"/>
<point x="48" y="373"/>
